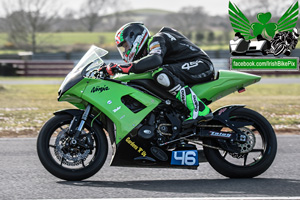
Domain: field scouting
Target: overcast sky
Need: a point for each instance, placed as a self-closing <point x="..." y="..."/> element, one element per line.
<point x="213" y="7"/>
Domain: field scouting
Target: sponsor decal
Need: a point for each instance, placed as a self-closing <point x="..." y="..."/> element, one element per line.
<point x="189" y="158"/>
<point x="191" y="47"/>
<point x="99" y="89"/>
<point x="220" y="134"/>
<point x="222" y="110"/>
<point x="159" y="153"/>
<point x="172" y="38"/>
<point x="155" y="48"/>
<point x="154" y="45"/>
<point x="136" y="147"/>
<point x="109" y="102"/>
<point x="190" y="65"/>
<point x="196" y="103"/>
<point x="116" y="109"/>
<point x="183" y="96"/>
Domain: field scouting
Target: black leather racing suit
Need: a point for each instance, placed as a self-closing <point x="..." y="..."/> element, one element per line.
<point x="181" y="61"/>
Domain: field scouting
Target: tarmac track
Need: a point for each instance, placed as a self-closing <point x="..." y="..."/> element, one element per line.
<point x="23" y="177"/>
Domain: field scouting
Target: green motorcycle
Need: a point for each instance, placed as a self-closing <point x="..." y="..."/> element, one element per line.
<point x="143" y="124"/>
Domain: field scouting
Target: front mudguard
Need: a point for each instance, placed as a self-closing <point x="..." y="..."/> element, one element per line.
<point x="73" y="112"/>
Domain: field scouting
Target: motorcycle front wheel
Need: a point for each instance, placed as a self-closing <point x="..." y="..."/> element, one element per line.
<point x="66" y="158"/>
<point x="255" y="156"/>
<point x="279" y="49"/>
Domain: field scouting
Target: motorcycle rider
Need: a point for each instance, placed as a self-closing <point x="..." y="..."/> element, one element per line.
<point x="174" y="61"/>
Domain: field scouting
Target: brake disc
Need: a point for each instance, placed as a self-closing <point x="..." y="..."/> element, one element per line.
<point x="73" y="158"/>
<point x="250" y="143"/>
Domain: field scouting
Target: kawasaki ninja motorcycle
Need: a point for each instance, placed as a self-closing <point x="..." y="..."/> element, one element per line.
<point x="143" y="124"/>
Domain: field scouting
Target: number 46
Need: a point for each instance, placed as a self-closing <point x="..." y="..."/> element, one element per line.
<point x="186" y="157"/>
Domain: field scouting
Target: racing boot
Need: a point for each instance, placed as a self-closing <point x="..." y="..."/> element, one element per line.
<point x="199" y="111"/>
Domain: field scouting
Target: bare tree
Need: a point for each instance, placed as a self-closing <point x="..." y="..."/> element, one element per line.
<point x="189" y="19"/>
<point x="25" y="19"/>
<point x="92" y="12"/>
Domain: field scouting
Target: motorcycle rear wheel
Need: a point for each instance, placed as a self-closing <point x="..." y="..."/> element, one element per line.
<point x="78" y="163"/>
<point x="263" y="152"/>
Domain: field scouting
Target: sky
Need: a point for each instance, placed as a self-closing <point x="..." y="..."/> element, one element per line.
<point x="213" y="7"/>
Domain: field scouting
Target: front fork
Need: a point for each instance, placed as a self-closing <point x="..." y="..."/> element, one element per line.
<point x="73" y="126"/>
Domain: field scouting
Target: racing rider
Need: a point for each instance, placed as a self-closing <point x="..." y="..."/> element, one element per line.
<point x="174" y="61"/>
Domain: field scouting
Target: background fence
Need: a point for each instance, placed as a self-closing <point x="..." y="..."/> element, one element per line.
<point x="60" y="64"/>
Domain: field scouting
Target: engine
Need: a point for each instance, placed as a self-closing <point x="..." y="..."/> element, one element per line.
<point x="159" y="125"/>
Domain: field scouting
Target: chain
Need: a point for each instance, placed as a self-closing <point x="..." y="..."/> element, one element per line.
<point x="200" y="126"/>
<point x="210" y="126"/>
<point x="163" y="133"/>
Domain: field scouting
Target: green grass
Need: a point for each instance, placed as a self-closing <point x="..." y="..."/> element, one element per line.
<point x="12" y="78"/>
<point x="69" y="38"/>
<point x="25" y="108"/>
<point x="103" y="39"/>
<point x="280" y="104"/>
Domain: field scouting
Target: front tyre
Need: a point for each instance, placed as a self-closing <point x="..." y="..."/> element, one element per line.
<point x="279" y="49"/>
<point x="66" y="160"/>
<point x="255" y="156"/>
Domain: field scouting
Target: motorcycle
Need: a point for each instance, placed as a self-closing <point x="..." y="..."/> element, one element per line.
<point x="284" y="42"/>
<point x="143" y="124"/>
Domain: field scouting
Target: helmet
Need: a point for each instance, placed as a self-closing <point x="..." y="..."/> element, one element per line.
<point x="131" y="39"/>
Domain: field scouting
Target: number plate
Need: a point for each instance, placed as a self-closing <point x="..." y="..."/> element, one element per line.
<point x="188" y="157"/>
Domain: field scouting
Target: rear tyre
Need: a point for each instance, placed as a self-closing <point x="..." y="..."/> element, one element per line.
<point x="65" y="160"/>
<point x="255" y="157"/>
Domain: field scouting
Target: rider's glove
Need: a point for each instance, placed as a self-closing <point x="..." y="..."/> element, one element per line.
<point x="113" y="68"/>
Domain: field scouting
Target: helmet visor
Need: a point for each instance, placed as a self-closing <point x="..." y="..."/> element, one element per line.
<point x="124" y="50"/>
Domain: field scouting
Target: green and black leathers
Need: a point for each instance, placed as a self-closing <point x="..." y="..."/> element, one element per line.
<point x="199" y="111"/>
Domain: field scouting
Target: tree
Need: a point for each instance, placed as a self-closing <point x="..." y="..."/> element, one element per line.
<point x="188" y="19"/>
<point x="93" y="12"/>
<point x="199" y="37"/>
<point x="211" y="37"/>
<point x="25" y="19"/>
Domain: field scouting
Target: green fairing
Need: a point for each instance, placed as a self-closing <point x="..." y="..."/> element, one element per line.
<point x="108" y="101"/>
<point x="74" y="95"/>
<point x="126" y="78"/>
<point x="227" y="83"/>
